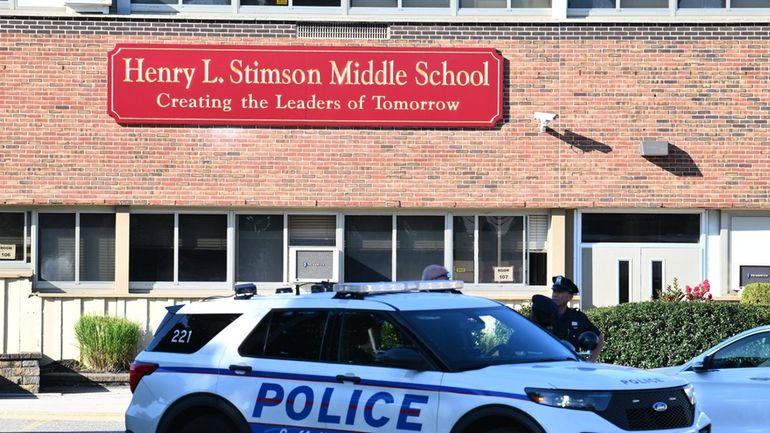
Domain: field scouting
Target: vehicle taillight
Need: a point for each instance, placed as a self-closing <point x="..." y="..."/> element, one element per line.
<point x="137" y="371"/>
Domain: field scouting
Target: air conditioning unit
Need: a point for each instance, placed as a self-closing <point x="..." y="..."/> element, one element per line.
<point x="312" y="264"/>
<point x="88" y="6"/>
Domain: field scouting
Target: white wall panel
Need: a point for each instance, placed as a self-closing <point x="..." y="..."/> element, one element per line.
<point x="52" y="328"/>
<point x="71" y="312"/>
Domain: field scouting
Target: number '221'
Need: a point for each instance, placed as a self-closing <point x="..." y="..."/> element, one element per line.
<point x="181" y="336"/>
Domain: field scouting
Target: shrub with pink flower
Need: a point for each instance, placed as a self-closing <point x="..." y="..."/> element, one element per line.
<point x="699" y="293"/>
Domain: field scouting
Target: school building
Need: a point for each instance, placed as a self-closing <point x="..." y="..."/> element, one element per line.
<point x="156" y="152"/>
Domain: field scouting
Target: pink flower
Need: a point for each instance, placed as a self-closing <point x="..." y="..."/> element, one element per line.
<point x="687" y="289"/>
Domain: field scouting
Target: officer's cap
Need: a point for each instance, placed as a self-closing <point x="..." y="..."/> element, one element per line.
<point x="563" y="284"/>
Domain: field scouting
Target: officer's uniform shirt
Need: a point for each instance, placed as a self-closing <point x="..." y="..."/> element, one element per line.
<point x="571" y="324"/>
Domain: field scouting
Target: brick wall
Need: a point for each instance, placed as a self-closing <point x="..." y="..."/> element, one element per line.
<point x="20" y="373"/>
<point x="702" y="87"/>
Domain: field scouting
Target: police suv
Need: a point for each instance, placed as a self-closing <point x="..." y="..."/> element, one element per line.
<point x="385" y="357"/>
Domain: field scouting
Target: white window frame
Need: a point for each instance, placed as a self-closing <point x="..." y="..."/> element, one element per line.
<point x="25" y="262"/>
<point x="284" y="248"/>
<point x="191" y="285"/>
<point x="476" y="249"/>
<point x="76" y="283"/>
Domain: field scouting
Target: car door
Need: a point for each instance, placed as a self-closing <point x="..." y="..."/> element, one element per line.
<point x="377" y="394"/>
<point x="277" y="378"/>
<point x="735" y="391"/>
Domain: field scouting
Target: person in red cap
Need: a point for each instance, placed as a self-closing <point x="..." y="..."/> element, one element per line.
<point x="571" y="323"/>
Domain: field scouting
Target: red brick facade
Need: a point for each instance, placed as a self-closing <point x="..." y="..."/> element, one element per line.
<point x="703" y="88"/>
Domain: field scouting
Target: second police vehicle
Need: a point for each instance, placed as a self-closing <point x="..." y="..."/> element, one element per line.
<point x="386" y="357"/>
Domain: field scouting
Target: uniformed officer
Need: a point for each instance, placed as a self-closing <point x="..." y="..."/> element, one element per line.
<point x="570" y="323"/>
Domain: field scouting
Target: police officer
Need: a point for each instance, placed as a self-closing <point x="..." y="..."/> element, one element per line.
<point x="570" y="323"/>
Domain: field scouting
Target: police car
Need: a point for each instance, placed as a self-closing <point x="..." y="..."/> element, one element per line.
<point x="385" y="357"/>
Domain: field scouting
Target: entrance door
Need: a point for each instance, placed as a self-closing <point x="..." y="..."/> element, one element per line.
<point x="613" y="274"/>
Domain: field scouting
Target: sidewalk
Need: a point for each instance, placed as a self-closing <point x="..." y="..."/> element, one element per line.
<point x="80" y="404"/>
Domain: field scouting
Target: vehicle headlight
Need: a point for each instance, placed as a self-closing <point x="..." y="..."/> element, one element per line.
<point x="689" y="390"/>
<point x="569" y="399"/>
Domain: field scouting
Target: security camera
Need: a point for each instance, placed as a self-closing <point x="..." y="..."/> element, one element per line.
<point x="545" y="118"/>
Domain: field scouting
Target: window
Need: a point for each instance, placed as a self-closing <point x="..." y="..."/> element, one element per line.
<point x="259" y="248"/>
<point x="656" y="276"/>
<point x="624" y="281"/>
<point x="13" y="237"/>
<point x="288" y="334"/>
<point x="748" y="352"/>
<point x="151" y="256"/>
<point x="365" y="337"/>
<point x="187" y="333"/>
<point x="492" y="249"/>
<point x="368" y="247"/>
<point x="498" y="4"/>
<point x="474" y="338"/>
<point x="200" y="249"/>
<point x="420" y="242"/>
<point x="76" y="247"/>
<point x="312" y="230"/>
<point x="641" y="228"/>
<point x="485" y="249"/>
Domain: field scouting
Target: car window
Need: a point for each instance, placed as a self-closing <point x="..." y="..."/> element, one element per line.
<point x="751" y="351"/>
<point x="366" y="336"/>
<point x="478" y="337"/>
<point x="187" y="333"/>
<point x="287" y="334"/>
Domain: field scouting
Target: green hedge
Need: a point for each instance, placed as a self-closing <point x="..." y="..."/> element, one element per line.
<point x="661" y="334"/>
<point x="107" y="343"/>
<point x="756" y="293"/>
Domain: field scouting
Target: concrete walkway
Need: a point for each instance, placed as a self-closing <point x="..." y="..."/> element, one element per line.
<point x="77" y="404"/>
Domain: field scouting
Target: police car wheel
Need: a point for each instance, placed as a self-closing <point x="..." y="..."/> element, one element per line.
<point x="208" y="423"/>
<point x="503" y="430"/>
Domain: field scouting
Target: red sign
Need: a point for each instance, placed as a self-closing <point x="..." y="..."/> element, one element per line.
<point x="327" y="86"/>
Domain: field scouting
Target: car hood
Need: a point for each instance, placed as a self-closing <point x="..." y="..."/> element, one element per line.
<point x="563" y="375"/>
<point x="671" y="371"/>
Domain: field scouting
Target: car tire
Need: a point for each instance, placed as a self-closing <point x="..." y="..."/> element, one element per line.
<point x="504" y="430"/>
<point x="208" y="423"/>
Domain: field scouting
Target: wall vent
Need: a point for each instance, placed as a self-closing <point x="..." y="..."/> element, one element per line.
<point x="342" y="31"/>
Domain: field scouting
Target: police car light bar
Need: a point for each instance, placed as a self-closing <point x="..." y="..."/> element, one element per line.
<point x="397" y="287"/>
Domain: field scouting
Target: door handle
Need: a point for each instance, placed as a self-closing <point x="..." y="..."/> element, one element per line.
<point x="240" y="369"/>
<point x="348" y="378"/>
<point x="760" y="378"/>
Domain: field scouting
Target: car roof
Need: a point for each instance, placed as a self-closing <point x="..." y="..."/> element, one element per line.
<point x="408" y="301"/>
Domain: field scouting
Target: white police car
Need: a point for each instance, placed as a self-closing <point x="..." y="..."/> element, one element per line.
<point x="387" y="357"/>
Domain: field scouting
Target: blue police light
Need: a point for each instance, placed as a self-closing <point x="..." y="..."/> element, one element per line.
<point x="245" y="290"/>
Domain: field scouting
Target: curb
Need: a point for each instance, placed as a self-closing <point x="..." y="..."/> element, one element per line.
<point x="58" y="380"/>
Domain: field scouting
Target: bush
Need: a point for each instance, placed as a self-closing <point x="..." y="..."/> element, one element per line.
<point x="756" y="293"/>
<point x="107" y="343"/>
<point x="660" y="334"/>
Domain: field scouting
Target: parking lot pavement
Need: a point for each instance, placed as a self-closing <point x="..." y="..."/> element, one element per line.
<point x="69" y="410"/>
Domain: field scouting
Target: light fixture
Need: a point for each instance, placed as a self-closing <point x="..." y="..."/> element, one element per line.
<point x="652" y="147"/>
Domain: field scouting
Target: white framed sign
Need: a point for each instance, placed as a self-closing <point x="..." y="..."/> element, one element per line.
<point x="7" y="252"/>
<point x="503" y="274"/>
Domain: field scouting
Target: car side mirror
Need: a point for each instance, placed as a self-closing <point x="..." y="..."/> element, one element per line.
<point x="404" y="357"/>
<point x="703" y="364"/>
